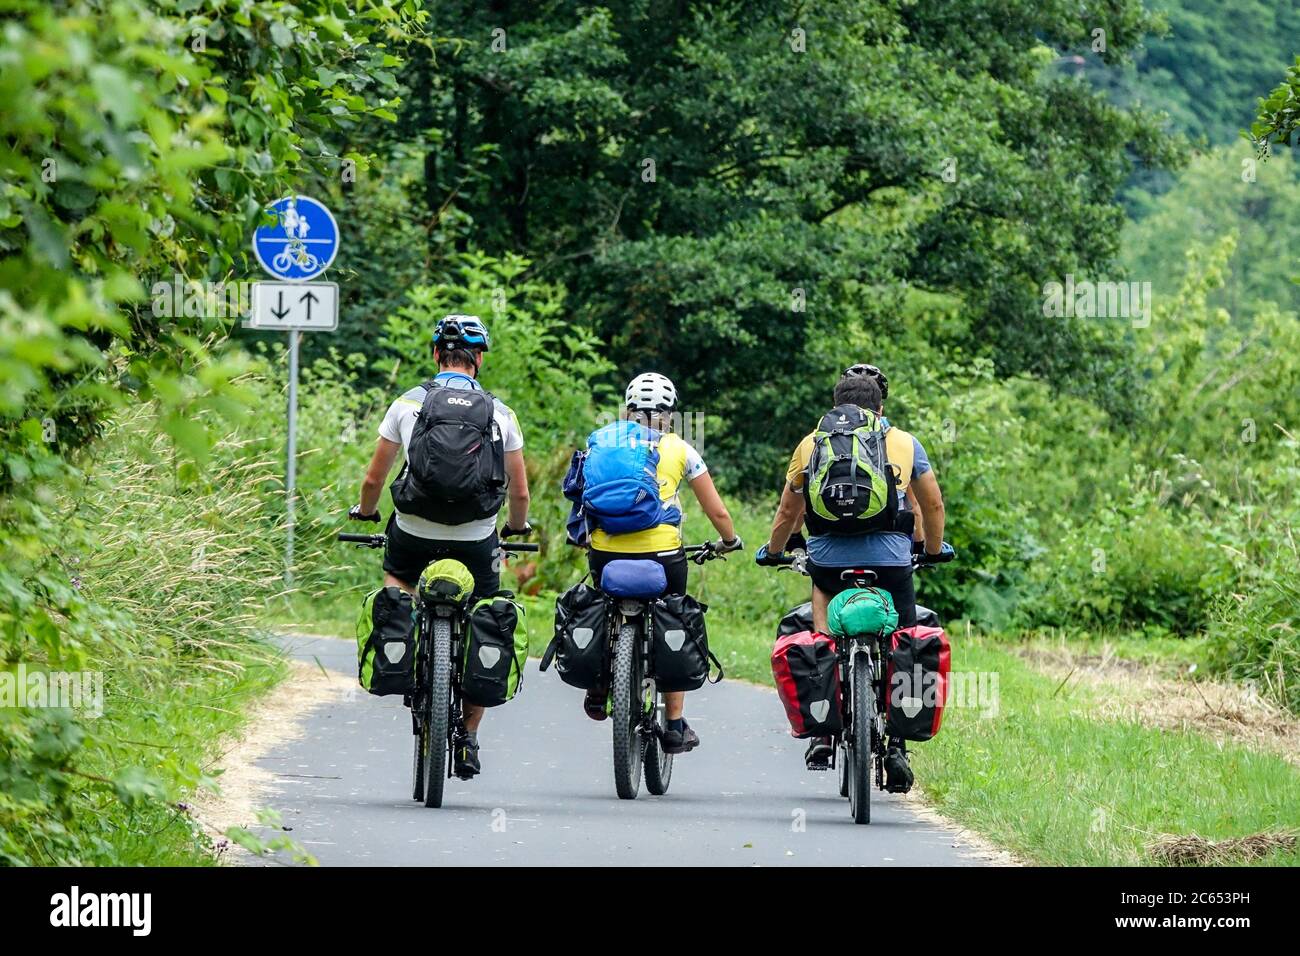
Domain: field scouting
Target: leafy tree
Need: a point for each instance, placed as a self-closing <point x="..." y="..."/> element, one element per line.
<point x="725" y="188"/>
<point x="1226" y="191"/>
<point x="1204" y="65"/>
<point x="1279" y="112"/>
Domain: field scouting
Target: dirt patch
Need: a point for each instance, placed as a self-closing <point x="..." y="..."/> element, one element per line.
<point x="1144" y="694"/>
<point x="1194" y="850"/>
<point x="275" y="720"/>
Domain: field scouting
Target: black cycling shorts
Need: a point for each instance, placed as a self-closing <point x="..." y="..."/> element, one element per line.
<point x="896" y="579"/>
<point x="674" y="562"/>
<point x="407" y="555"/>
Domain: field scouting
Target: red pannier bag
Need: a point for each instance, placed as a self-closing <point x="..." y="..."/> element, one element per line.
<point x="806" y="669"/>
<point x="916" y="679"/>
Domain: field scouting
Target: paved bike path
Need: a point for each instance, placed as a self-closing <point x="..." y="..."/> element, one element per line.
<point x="546" y="794"/>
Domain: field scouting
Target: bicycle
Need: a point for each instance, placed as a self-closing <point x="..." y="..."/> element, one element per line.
<point x="859" y="747"/>
<point x="437" y="718"/>
<point x="636" y="705"/>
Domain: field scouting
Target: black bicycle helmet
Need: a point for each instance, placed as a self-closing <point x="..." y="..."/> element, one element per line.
<point x="872" y="372"/>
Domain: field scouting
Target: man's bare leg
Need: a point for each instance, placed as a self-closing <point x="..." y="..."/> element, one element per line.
<point x="820" y="602"/>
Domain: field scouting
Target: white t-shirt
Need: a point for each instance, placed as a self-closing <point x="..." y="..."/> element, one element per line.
<point x="397" y="427"/>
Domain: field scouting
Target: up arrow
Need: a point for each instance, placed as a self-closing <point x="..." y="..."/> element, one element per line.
<point x="309" y="298"/>
<point x="279" y="311"/>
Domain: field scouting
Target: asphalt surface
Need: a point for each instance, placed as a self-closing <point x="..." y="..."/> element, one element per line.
<point x="546" y="794"/>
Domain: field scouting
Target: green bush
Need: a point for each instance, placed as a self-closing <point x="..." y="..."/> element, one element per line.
<point x="1256" y="629"/>
<point x="158" y="579"/>
<point x="1135" y="564"/>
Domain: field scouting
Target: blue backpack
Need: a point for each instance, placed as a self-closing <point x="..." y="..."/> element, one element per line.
<point x="619" y="480"/>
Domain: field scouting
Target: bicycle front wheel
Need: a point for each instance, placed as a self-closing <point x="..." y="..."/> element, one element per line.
<point x="859" y="749"/>
<point x="626" y="714"/>
<point x="435" y="730"/>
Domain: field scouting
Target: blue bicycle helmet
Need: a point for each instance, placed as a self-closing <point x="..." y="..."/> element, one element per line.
<point x="462" y="332"/>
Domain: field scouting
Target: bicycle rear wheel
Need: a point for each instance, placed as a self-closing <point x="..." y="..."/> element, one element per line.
<point x="859" y="749"/>
<point x="625" y="713"/>
<point x="435" y="735"/>
<point x="658" y="765"/>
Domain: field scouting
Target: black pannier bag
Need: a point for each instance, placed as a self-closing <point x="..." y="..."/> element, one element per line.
<point x="496" y="648"/>
<point x="581" y="637"/>
<point x="796" y="621"/>
<point x="926" y="617"/>
<point x="679" y="644"/>
<point x="386" y="638"/>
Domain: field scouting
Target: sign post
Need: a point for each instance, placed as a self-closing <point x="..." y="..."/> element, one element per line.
<point x="296" y="243"/>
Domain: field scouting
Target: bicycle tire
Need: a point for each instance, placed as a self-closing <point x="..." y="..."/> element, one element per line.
<point x="417" y="766"/>
<point x="658" y="766"/>
<point x="625" y="714"/>
<point x="859" y="767"/>
<point x="437" y="715"/>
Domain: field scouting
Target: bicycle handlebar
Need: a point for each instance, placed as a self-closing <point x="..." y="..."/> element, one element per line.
<point x="366" y="540"/>
<point x="379" y="540"/>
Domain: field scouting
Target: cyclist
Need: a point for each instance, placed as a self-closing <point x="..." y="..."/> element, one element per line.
<point x="650" y="400"/>
<point x="459" y="343"/>
<point x="887" y="553"/>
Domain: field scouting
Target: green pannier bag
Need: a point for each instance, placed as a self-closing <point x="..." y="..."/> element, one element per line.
<point x="386" y="638"/>
<point x="862" y="611"/>
<point x="496" y="648"/>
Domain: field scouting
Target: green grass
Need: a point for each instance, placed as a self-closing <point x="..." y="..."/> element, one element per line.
<point x="170" y="729"/>
<point x="1046" y="780"/>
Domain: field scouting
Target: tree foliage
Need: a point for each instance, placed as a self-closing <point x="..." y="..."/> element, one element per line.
<point x="725" y="187"/>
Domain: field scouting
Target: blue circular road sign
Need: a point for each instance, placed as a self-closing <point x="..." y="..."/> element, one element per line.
<point x="297" y="240"/>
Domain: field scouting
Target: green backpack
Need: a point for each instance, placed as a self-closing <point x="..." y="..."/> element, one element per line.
<point x="862" y="611"/>
<point x="496" y="647"/>
<point x="850" y="487"/>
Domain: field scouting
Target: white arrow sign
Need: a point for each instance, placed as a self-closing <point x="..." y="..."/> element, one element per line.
<point x="308" y="306"/>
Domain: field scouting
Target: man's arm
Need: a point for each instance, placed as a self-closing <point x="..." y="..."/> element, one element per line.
<point x="517" y="473"/>
<point x="789" y="516"/>
<point x="381" y="463"/>
<point x="930" y="498"/>
<point x="918" y="527"/>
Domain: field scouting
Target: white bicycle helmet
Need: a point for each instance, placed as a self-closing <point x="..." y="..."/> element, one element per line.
<point x="651" y="392"/>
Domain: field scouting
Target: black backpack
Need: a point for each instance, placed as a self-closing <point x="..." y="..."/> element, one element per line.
<point x="455" y="469"/>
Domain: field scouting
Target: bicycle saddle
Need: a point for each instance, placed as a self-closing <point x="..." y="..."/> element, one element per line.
<point x="639" y="580"/>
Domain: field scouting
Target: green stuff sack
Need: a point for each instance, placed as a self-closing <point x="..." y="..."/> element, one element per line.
<point x="447" y="580"/>
<point x="862" y="611"/>
<point x="386" y="638"/>
<point x="496" y="648"/>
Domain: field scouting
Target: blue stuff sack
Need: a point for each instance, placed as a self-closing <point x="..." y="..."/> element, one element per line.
<point x="640" y="580"/>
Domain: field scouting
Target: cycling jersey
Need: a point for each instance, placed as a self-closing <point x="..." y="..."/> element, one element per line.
<point x="678" y="462"/>
<point x="397" y="427"/>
